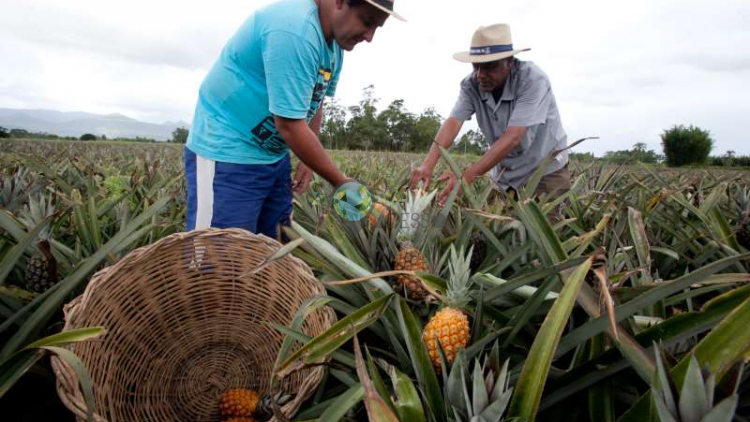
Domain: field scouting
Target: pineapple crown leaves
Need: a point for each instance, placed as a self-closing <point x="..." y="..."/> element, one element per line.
<point x="37" y="210"/>
<point x="696" y="399"/>
<point x="14" y="189"/>
<point x="486" y="396"/>
<point x="459" y="281"/>
<point x="411" y="213"/>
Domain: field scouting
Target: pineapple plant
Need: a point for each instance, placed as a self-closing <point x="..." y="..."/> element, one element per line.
<point x="409" y="258"/>
<point x="699" y="399"/>
<point x="483" y="401"/>
<point x="41" y="268"/>
<point x="742" y="230"/>
<point x="450" y="325"/>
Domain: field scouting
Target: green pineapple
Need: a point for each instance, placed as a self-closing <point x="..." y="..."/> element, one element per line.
<point x="41" y="268"/>
<point x="485" y="398"/>
<point x="696" y="401"/>
<point x="742" y="230"/>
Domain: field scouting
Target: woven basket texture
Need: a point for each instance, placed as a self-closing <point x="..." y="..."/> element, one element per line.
<point x="185" y="322"/>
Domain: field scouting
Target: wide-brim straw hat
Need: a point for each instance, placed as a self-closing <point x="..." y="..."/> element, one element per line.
<point x="387" y="7"/>
<point x="488" y="44"/>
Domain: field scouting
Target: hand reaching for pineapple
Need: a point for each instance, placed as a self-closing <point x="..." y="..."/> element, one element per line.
<point x="302" y="178"/>
<point x="451" y="181"/>
<point x="421" y="174"/>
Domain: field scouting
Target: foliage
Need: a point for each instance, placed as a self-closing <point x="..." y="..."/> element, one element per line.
<point x="392" y="129"/>
<point x="661" y="242"/>
<point x="639" y="153"/>
<point x="472" y="142"/>
<point x="4" y="132"/>
<point x="730" y="159"/>
<point x="686" y="145"/>
<point x="180" y="135"/>
<point x="584" y="157"/>
<point x="88" y="137"/>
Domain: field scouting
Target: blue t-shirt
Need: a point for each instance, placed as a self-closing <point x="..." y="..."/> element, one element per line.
<point x="278" y="63"/>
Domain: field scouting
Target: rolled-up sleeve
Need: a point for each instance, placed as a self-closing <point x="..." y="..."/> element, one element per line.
<point x="464" y="108"/>
<point x="532" y="102"/>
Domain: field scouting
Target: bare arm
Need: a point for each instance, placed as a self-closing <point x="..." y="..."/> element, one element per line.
<point x="317" y="122"/>
<point x="303" y="141"/>
<point x="499" y="150"/>
<point x="445" y="137"/>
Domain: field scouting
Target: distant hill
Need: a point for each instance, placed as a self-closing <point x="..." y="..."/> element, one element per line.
<point x="76" y="123"/>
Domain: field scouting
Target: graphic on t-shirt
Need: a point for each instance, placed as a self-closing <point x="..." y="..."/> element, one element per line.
<point x="267" y="137"/>
<point x="321" y="86"/>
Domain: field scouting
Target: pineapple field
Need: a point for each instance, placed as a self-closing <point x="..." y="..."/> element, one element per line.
<point x="625" y="299"/>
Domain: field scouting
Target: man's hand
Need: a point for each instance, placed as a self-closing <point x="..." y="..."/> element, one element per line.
<point x="450" y="180"/>
<point x="302" y="178"/>
<point x="420" y="174"/>
<point x="469" y="176"/>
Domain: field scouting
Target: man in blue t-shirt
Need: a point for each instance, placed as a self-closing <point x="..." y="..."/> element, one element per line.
<point x="263" y="97"/>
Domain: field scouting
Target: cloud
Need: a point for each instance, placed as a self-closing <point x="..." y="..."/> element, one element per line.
<point x="148" y="33"/>
<point x="623" y="71"/>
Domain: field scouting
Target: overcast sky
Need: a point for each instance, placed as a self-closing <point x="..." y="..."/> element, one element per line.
<point x="623" y="71"/>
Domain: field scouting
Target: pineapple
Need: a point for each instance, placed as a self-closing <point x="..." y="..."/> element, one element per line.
<point x="409" y="258"/>
<point x="238" y="402"/>
<point x="488" y="405"/>
<point x="695" y="402"/>
<point x="450" y="325"/>
<point x="479" y="244"/>
<point x="379" y="211"/>
<point x="242" y="403"/>
<point x="41" y="268"/>
<point x="742" y="231"/>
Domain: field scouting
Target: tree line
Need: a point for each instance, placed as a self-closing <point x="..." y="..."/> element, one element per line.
<point x="363" y="127"/>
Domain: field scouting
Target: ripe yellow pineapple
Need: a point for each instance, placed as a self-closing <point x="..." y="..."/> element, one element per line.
<point x="238" y="402"/>
<point x="243" y="405"/>
<point x="450" y="325"/>
<point x="409" y="258"/>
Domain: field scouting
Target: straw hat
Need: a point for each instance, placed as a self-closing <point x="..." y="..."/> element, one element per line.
<point x="488" y="44"/>
<point x="387" y="7"/>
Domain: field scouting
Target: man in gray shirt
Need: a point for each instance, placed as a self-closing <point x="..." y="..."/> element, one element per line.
<point x="515" y="109"/>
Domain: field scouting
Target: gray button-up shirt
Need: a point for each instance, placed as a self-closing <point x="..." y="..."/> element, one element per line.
<point x="527" y="100"/>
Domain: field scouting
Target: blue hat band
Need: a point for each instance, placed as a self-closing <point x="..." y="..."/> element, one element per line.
<point x="491" y="49"/>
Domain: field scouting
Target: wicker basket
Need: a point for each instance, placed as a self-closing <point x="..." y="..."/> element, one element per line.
<point x="184" y="323"/>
